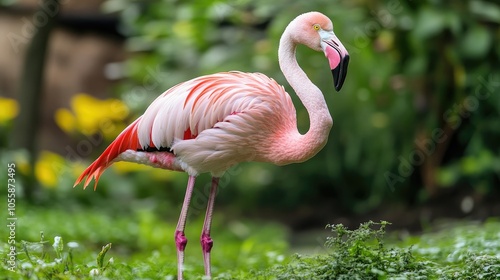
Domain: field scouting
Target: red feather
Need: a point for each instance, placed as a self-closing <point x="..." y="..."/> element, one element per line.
<point x="127" y="140"/>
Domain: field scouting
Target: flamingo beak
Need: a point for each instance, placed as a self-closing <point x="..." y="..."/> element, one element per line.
<point x="338" y="57"/>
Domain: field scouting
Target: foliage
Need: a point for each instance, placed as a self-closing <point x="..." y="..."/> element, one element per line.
<point x="417" y="112"/>
<point x="448" y="57"/>
<point x="143" y="247"/>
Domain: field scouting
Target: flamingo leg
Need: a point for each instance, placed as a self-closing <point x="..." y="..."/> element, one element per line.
<point x="180" y="238"/>
<point x="205" y="239"/>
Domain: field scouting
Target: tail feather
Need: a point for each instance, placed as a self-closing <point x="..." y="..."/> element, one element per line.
<point x="125" y="141"/>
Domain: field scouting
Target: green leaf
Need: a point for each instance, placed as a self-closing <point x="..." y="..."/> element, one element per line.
<point x="430" y="22"/>
<point x="485" y="10"/>
<point x="447" y="176"/>
<point x="476" y="42"/>
<point x="454" y="22"/>
<point x="102" y="254"/>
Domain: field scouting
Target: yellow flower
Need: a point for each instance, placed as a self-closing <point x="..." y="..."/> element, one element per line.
<point x="48" y="168"/>
<point x="91" y="115"/>
<point x="9" y="109"/>
<point x="65" y="120"/>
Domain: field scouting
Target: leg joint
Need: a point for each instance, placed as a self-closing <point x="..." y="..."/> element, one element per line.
<point x="206" y="242"/>
<point x="180" y="240"/>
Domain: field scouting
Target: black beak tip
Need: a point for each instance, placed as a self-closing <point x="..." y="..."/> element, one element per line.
<point x="339" y="73"/>
<point x="336" y="74"/>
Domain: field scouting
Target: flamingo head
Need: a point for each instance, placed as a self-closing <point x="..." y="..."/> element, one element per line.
<point x="315" y="30"/>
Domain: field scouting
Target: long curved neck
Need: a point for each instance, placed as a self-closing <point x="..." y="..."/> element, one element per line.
<point x="302" y="147"/>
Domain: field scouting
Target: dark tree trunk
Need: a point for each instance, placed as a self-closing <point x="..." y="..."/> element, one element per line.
<point x="31" y="88"/>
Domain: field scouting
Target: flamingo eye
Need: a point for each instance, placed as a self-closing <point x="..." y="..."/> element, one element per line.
<point x="316" y="27"/>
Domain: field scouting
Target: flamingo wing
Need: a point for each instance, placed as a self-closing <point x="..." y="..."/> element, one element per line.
<point x="209" y="123"/>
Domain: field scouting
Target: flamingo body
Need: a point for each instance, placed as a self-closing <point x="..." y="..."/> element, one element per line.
<point x="213" y="122"/>
<point x="207" y="124"/>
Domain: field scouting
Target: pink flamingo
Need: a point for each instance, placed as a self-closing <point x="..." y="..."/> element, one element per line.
<point x="213" y="122"/>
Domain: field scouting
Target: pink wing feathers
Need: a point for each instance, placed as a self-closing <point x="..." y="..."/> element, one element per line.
<point x="204" y="122"/>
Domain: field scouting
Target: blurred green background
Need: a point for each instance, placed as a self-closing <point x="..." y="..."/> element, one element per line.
<point x="416" y="135"/>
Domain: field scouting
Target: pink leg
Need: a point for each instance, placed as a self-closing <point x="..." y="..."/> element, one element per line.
<point x="206" y="240"/>
<point x="180" y="238"/>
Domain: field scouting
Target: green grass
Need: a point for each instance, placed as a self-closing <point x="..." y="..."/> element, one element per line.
<point x="140" y="245"/>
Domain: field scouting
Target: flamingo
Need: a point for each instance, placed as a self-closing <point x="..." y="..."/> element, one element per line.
<point x="213" y="122"/>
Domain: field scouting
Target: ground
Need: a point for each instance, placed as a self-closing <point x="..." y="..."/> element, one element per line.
<point x="102" y="244"/>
